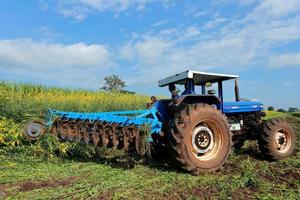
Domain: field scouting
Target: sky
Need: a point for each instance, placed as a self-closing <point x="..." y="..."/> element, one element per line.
<point x="76" y="43"/>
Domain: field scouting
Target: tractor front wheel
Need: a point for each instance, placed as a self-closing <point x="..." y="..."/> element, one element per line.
<point x="277" y="139"/>
<point x="200" y="139"/>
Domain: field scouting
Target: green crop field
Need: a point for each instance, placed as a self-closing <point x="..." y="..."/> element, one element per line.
<point x="50" y="169"/>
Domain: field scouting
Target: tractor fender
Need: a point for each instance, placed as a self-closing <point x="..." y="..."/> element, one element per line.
<point x="193" y="99"/>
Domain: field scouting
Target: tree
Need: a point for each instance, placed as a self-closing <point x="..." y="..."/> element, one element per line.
<point x="113" y="83"/>
<point x="281" y="110"/>
<point x="291" y="110"/>
<point x="270" y="108"/>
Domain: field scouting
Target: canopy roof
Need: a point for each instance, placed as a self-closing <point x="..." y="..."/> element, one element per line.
<point x="200" y="78"/>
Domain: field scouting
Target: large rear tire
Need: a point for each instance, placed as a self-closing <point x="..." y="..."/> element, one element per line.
<point x="200" y="139"/>
<point x="277" y="139"/>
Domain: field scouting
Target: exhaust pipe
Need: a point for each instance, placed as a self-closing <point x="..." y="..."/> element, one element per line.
<point x="237" y="91"/>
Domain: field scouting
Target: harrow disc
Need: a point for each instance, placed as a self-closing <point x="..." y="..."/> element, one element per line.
<point x="62" y="130"/>
<point x="85" y="137"/>
<point x="100" y="134"/>
<point x="70" y="131"/>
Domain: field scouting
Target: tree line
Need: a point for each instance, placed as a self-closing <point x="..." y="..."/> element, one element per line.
<point x="290" y="110"/>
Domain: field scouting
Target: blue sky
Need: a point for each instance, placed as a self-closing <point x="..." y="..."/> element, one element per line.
<point x="75" y="43"/>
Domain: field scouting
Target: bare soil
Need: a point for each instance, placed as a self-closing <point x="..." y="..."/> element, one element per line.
<point x="52" y="183"/>
<point x="243" y="194"/>
<point x="105" y="195"/>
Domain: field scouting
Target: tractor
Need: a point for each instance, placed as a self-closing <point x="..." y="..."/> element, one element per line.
<point x="199" y="129"/>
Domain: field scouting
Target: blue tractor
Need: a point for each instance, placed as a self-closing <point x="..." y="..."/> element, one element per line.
<point x="198" y="128"/>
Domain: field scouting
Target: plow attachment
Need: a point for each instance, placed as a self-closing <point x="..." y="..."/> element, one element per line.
<point x="127" y="130"/>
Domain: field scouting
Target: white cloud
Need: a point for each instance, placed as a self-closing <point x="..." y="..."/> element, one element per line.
<point x="48" y="33"/>
<point x="156" y="57"/>
<point x="68" y="65"/>
<point x="141" y="7"/>
<point x="167" y="32"/>
<point x="127" y="53"/>
<point x="240" y="2"/>
<point x="190" y="32"/>
<point x="214" y="23"/>
<point x="200" y="14"/>
<point x="228" y="46"/>
<point x="276" y="8"/>
<point x="78" y="13"/>
<point x="285" y="60"/>
<point x="151" y="50"/>
<point x="159" y="23"/>
<point x="80" y="9"/>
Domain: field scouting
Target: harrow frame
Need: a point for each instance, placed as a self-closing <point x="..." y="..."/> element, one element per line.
<point x="137" y="118"/>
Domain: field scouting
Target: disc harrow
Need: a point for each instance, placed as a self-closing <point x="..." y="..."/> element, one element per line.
<point x="123" y="130"/>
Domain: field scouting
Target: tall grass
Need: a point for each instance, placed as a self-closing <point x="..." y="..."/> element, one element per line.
<point x="274" y="114"/>
<point x="25" y="101"/>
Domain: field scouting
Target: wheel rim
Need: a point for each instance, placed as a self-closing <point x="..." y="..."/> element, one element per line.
<point x="282" y="141"/>
<point x="34" y="130"/>
<point x="206" y="140"/>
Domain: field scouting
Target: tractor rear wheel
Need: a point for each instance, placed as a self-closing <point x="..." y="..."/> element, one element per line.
<point x="277" y="139"/>
<point x="200" y="139"/>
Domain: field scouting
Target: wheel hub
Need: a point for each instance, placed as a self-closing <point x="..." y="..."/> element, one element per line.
<point x="202" y="139"/>
<point x="34" y="130"/>
<point x="280" y="141"/>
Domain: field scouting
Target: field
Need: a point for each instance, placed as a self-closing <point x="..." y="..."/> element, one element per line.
<point x="53" y="170"/>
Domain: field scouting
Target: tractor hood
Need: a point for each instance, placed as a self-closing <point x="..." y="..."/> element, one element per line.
<point x="238" y="107"/>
